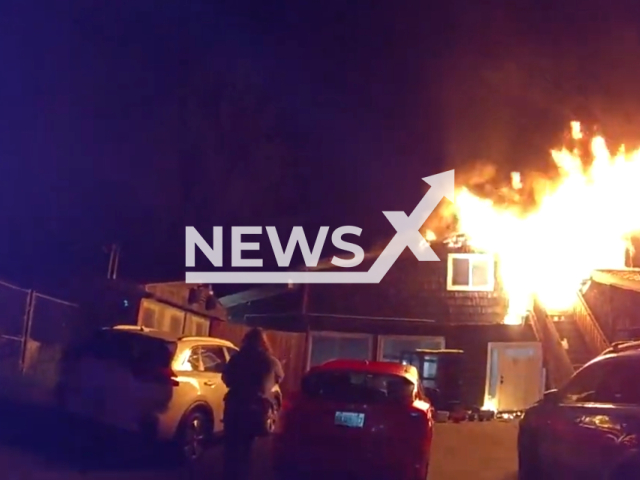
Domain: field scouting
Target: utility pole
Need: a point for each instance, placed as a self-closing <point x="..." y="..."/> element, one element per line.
<point x="114" y="258"/>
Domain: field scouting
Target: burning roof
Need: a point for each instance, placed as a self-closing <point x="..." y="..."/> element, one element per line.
<point x="549" y="241"/>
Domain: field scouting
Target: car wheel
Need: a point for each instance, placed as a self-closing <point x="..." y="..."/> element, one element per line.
<point x="194" y="436"/>
<point x="273" y="416"/>
<point x="271" y="421"/>
<point x="288" y="472"/>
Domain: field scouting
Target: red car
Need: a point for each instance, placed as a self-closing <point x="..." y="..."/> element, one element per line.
<point x="356" y="418"/>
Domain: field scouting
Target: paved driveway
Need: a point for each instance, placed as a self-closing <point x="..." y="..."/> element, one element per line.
<point x="475" y="451"/>
<point x="36" y="448"/>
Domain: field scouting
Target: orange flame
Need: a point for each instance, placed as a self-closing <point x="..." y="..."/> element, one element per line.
<point x="576" y="130"/>
<point x="581" y="223"/>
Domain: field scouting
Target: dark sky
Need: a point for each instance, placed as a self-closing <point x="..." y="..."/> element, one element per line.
<point x="127" y="120"/>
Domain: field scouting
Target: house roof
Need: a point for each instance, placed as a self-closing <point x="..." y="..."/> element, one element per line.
<point x="254" y="294"/>
<point x="456" y="242"/>
<point x="628" y="278"/>
<point x="237" y="295"/>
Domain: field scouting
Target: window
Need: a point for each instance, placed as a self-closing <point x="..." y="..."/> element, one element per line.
<point x="213" y="359"/>
<point x="128" y="348"/>
<point x="620" y="386"/>
<point x="471" y="272"/>
<point x="231" y="351"/>
<point x="392" y="348"/>
<point x="330" y="346"/>
<point x="197" y="326"/>
<point x="169" y="319"/>
<point x="201" y="327"/>
<point x="148" y="316"/>
<point x="163" y="322"/>
<point x="193" y="361"/>
<point x="429" y="372"/>
<point x="175" y="321"/>
<point x="585" y="384"/>
<point x="358" y="387"/>
<point x="427" y="367"/>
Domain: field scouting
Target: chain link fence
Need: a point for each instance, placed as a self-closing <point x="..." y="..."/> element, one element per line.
<point x="33" y="330"/>
<point x="14" y="303"/>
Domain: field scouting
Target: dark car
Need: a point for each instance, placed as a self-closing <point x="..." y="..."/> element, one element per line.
<point x="590" y="428"/>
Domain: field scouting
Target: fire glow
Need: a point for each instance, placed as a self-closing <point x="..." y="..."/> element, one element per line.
<point x="580" y="222"/>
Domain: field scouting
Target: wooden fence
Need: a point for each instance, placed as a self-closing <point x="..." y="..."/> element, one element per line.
<point x="288" y="347"/>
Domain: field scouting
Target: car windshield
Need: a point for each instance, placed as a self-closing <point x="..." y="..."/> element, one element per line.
<point x="358" y="387"/>
<point x="130" y="348"/>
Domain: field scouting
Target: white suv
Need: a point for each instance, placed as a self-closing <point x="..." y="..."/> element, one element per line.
<point x="150" y="382"/>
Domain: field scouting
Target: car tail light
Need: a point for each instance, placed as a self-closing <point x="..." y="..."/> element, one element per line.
<point x="419" y="414"/>
<point x="286" y="404"/>
<point x="168" y="374"/>
<point x="422" y="414"/>
<point x="421" y="428"/>
<point x="289" y="401"/>
<point x="287" y="413"/>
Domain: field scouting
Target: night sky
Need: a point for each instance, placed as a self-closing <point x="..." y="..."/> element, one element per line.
<point x="124" y="121"/>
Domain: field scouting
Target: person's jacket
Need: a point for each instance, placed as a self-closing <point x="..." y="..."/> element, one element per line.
<point x="252" y="372"/>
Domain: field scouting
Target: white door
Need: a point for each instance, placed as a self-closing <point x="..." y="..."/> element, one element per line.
<point x="518" y="373"/>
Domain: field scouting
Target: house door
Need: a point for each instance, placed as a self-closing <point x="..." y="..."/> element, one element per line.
<point x="515" y="375"/>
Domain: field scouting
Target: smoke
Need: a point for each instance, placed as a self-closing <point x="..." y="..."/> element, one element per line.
<point x="519" y="193"/>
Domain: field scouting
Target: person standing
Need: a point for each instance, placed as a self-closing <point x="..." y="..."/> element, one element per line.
<point x="250" y="376"/>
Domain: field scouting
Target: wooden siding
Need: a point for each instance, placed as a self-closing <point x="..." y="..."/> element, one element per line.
<point x="177" y="294"/>
<point x="410" y="290"/>
<point x="289" y="301"/>
<point x="616" y="309"/>
<point x="413" y="289"/>
<point x="472" y="338"/>
<point x="475" y="343"/>
<point x="288" y="347"/>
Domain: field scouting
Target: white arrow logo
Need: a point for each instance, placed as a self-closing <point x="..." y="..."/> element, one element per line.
<point x="407" y="235"/>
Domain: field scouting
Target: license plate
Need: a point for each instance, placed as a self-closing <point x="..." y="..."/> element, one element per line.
<point x="349" y="419"/>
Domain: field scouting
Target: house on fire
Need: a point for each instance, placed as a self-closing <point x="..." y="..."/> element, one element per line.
<point x="613" y="297"/>
<point x="457" y="303"/>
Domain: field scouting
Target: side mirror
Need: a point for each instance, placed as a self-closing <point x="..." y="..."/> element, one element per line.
<point x="552" y="397"/>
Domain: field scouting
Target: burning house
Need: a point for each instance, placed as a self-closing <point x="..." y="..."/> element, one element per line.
<point x="536" y="237"/>
<point x="456" y="303"/>
<point x="613" y="296"/>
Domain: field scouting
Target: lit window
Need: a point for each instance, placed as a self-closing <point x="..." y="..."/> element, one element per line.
<point x="471" y="272"/>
